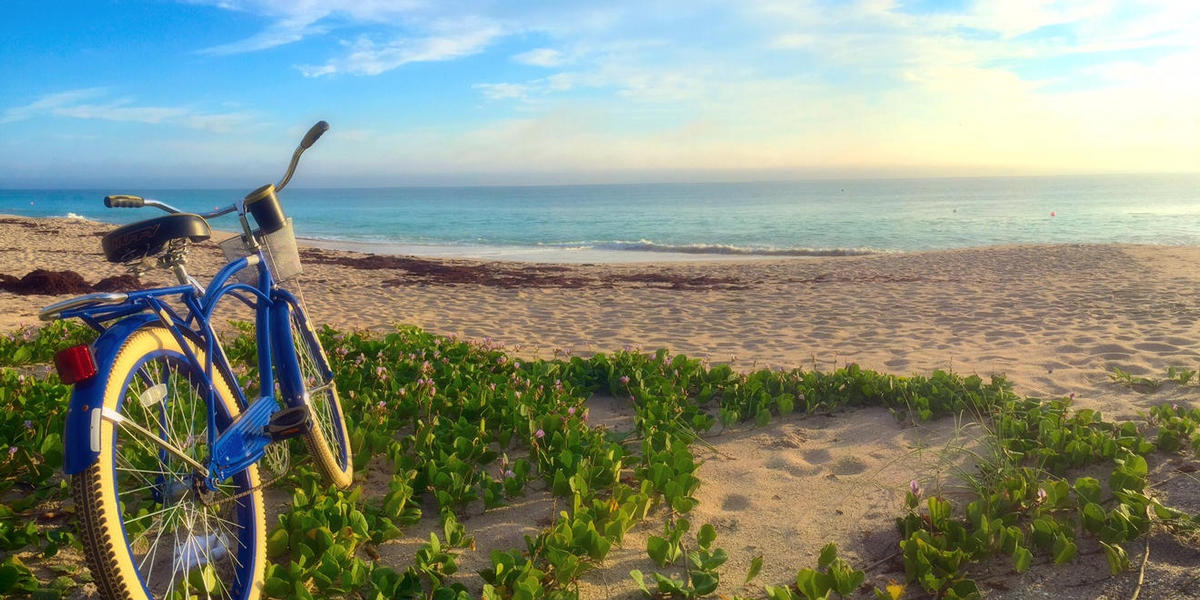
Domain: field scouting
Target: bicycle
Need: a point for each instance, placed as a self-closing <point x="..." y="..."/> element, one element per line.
<point x="162" y="444"/>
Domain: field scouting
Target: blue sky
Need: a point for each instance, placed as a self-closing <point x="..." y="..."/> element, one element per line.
<point x="215" y="93"/>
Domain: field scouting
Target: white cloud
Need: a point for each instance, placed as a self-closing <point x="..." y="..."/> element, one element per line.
<point x="278" y="34"/>
<point x="296" y="19"/>
<point x="541" y="57"/>
<point x="49" y="103"/>
<point x="89" y="103"/>
<point x="1015" y="84"/>
<point x="368" y="58"/>
<point x="503" y="91"/>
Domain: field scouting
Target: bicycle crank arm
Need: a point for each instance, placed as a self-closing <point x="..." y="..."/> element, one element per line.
<point x="114" y="417"/>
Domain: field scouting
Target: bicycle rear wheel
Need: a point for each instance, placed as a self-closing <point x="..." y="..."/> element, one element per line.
<point x="149" y="528"/>
<point x="327" y="442"/>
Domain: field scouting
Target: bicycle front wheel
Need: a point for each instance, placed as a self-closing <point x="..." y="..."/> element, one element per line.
<point x="150" y="528"/>
<point x="327" y="441"/>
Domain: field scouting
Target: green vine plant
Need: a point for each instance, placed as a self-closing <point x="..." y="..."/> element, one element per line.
<point x="833" y="575"/>
<point x="701" y="577"/>
<point x="439" y="418"/>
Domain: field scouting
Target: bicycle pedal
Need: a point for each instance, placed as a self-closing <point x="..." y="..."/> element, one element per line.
<point x="289" y="423"/>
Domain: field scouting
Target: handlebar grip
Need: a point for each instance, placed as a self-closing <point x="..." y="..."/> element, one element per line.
<point x="314" y="134"/>
<point x="124" y="201"/>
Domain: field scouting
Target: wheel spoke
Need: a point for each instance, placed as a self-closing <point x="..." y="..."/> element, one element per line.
<point x="176" y="527"/>
<point x="324" y="403"/>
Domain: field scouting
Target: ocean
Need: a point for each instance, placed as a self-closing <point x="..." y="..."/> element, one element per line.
<point x="677" y="221"/>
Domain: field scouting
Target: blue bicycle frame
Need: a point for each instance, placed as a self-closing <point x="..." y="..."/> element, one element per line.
<point x="244" y="441"/>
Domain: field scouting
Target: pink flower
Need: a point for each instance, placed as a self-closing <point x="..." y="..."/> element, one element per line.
<point x="625" y="379"/>
<point x="915" y="488"/>
<point x="571" y="411"/>
<point x="1041" y="495"/>
<point x="509" y="474"/>
<point x="539" y="435"/>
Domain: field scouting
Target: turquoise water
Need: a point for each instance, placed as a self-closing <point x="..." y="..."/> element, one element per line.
<point x="674" y="221"/>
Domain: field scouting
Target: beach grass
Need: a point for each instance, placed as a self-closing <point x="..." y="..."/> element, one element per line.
<point x="451" y="427"/>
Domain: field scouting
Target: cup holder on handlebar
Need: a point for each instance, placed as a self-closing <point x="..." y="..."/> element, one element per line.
<point x="263" y="204"/>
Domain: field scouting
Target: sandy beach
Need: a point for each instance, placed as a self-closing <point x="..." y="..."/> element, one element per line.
<point x="1056" y="320"/>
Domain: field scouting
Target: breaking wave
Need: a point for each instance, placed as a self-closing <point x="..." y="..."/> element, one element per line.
<point x="726" y="249"/>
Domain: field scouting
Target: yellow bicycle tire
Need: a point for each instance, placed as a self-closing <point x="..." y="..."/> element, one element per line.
<point x="327" y="410"/>
<point x="103" y="533"/>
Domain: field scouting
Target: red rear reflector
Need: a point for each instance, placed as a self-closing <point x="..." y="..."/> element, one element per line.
<point x="75" y="364"/>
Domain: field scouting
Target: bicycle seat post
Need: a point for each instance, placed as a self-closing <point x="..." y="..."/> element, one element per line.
<point x="175" y="259"/>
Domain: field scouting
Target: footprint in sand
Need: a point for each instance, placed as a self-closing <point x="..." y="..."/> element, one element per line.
<point x="735" y="502"/>
<point x="1156" y="348"/>
<point x="1178" y="341"/>
<point x="791" y="467"/>
<point x="848" y="465"/>
<point x="1101" y="349"/>
<point x="817" y="456"/>
<point x="786" y="440"/>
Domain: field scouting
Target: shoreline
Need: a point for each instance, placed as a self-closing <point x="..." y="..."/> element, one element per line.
<point x="550" y="254"/>
<point x="642" y="252"/>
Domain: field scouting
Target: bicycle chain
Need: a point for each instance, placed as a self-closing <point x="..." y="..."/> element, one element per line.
<point x="256" y="488"/>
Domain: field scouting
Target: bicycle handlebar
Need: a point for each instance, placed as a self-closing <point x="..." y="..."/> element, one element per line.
<point x="220" y="211"/>
<point x="130" y="201"/>
<point x="314" y="134"/>
<point x="310" y="138"/>
<point x="124" y="201"/>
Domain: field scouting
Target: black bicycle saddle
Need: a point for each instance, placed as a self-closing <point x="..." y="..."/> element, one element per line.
<point x="144" y="238"/>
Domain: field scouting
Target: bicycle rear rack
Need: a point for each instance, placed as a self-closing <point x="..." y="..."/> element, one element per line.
<point x="54" y="311"/>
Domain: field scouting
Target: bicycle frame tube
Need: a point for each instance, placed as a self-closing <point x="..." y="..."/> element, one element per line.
<point x="143" y="307"/>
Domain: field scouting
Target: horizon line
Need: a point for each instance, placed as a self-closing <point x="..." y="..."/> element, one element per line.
<point x="816" y="179"/>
